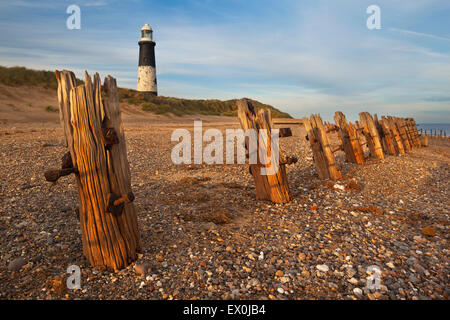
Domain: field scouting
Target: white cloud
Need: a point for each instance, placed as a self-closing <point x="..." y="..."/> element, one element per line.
<point x="419" y="34"/>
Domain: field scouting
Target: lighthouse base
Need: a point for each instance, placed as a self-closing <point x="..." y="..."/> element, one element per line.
<point x="147" y="79"/>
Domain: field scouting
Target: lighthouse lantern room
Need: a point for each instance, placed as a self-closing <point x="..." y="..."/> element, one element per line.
<point x="146" y="33"/>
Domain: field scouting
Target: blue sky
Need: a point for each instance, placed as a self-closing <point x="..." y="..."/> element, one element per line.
<point x="300" y="56"/>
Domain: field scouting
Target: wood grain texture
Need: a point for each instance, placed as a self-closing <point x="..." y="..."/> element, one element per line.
<point x="405" y="125"/>
<point x="109" y="240"/>
<point x="350" y="139"/>
<point x="385" y="136"/>
<point x="403" y="134"/>
<point x="320" y="145"/>
<point x="371" y="133"/>
<point x="398" y="143"/>
<point x="395" y="139"/>
<point x="414" y="132"/>
<point x="273" y="187"/>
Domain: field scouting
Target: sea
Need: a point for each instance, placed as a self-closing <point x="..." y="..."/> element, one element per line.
<point x="445" y="127"/>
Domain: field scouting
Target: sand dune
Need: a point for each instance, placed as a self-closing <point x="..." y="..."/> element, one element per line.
<point x="27" y="106"/>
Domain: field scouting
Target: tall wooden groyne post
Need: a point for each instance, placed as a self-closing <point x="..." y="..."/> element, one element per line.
<point x="371" y="133"/>
<point x="323" y="154"/>
<point x="97" y="156"/>
<point x="350" y="139"/>
<point x="273" y="187"/>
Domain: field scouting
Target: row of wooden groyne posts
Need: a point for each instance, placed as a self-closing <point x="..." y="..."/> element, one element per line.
<point x="91" y="120"/>
<point x="386" y="136"/>
<point x="441" y="135"/>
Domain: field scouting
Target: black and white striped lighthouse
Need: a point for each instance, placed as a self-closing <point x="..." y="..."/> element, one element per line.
<point x="147" y="67"/>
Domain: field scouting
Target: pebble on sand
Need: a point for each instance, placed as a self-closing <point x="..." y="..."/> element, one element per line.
<point x="390" y="265"/>
<point x="357" y="291"/>
<point x="428" y="231"/>
<point x="142" y="268"/>
<point x="17" y="264"/>
<point x="322" y="267"/>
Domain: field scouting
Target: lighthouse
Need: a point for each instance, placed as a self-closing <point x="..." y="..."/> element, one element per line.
<point x="147" y="67"/>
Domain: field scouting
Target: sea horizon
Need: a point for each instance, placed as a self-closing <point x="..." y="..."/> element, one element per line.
<point x="445" y="127"/>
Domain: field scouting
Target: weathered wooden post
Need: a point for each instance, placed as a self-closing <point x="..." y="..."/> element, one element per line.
<point x="416" y="132"/>
<point x="371" y="133"/>
<point x="388" y="137"/>
<point x="424" y="140"/>
<point x="273" y="187"/>
<point x="323" y="155"/>
<point x="412" y="132"/>
<point x="385" y="136"/>
<point x="401" y="129"/>
<point x="396" y="139"/>
<point x="412" y="129"/>
<point x="97" y="155"/>
<point x="409" y="133"/>
<point x="350" y="139"/>
<point x="380" y="134"/>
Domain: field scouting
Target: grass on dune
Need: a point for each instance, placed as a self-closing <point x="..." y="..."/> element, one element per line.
<point x="21" y="76"/>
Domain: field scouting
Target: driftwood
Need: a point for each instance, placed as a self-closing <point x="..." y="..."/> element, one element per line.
<point x="350" y="139"/>
<point x="273" y="187"/>
<point x="371" y="133"/>
<point x="97" y="155"/>
<point x="323" y="155"/>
